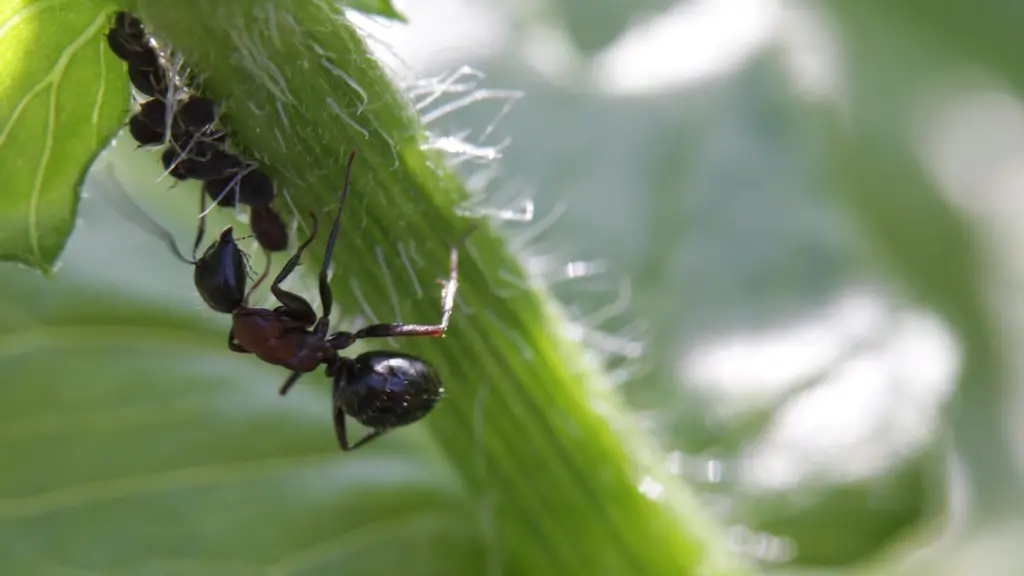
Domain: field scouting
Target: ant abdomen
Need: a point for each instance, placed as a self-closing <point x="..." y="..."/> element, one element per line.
<point x="383" y="390"/>
<point x="220" y="274"/>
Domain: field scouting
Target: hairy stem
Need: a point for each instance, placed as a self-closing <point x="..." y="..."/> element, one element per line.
<point x="530" y="426"/>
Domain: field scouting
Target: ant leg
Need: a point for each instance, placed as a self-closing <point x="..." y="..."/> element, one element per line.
<point x="326" y="298"/>
<point x="341" y="340"/>
<point x="292" y="379"/>
<point x="338" y="412"/>
<point x="365" y="439"/>
<point x="339" y="428"/>
<point x="235" y="346"/>
<point x="296" y="306"/>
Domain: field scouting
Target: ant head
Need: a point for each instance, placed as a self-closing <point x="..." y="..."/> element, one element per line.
<point x="220" y="274"/>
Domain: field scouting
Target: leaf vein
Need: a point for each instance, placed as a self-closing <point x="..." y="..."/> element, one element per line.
<point x="167" y="481"/>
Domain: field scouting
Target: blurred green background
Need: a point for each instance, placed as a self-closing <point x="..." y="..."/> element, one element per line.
<point x="789" y="229"/>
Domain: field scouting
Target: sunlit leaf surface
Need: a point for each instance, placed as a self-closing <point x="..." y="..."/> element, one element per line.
<point x="62" y="96"/>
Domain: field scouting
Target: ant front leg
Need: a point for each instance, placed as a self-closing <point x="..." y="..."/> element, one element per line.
<point x="295" y="306"/>
<point x="326" y="297"/>
<point x="342" y="340"/>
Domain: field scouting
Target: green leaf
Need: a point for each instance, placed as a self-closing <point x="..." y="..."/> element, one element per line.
<point x="533" y="466"/>
<point x="921" y="236"/>
<point x="134" y="442"/>
<point x="383" y="8"/>
<point x="63" y="94"/>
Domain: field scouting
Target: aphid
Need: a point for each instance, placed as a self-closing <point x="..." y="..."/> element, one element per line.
<point x="154" y="113"/>
<point x="223" y="191"/>
<point x="201" y="160"/>
<point x="171" y="164"/>
<point x="256" y="189"/>
<point x="196" y="113"/>
<point x="127" y="37"/>
<point x="252" y="188"/>
<point x="381" y="389"/>
<point x="269" y="229"/>
<point x="147" y="78"/>
<point x="143" y="132"/>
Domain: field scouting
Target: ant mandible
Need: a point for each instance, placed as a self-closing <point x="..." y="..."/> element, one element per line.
<point x="380" y="389"/>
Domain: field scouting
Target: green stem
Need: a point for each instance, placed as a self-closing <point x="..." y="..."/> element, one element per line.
<point x="555" y="479"/>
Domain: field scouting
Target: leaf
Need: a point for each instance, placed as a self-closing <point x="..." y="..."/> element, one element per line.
<point x="923" y="237"/>
<point x="134" y="442"/>
<point x="544" y="460"/>
<point x="63" y="95"/>
<point x="383" y="8"/>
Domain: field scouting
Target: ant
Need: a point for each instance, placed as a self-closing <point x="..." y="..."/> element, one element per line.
<point x="380" y="389"/>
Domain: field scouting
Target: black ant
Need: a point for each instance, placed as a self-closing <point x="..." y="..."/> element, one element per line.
<point x="380" y="389"/>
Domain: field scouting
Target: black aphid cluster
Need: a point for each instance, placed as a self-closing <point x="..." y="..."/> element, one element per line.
<point x="196" y="149"/>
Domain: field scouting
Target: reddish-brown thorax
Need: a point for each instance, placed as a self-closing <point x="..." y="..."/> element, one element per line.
<point x="279" y="340"/>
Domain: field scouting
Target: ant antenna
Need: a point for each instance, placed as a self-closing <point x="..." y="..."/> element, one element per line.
<point x="131" y="211"/>
<point x="341" y="204"/>
<point x="201" y="229"/>
<point x="325" y="289"/>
